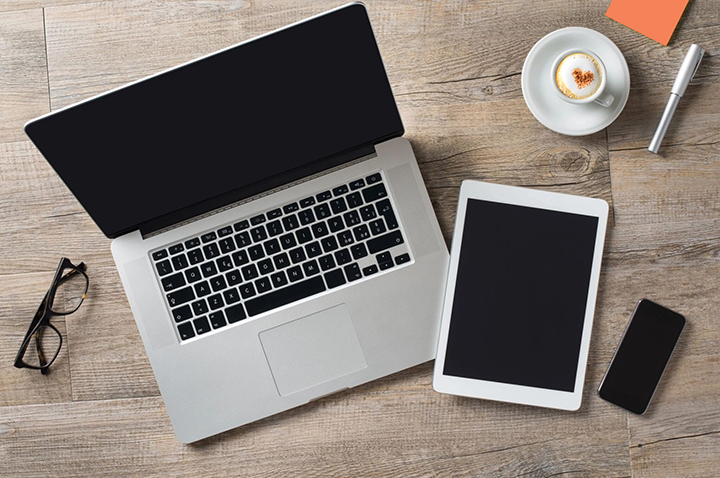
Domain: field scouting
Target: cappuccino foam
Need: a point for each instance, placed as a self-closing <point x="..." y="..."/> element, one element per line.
<point x="578" y="76"/>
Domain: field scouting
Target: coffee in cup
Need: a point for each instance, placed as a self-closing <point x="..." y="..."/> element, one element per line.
<point x="580" y="77"/>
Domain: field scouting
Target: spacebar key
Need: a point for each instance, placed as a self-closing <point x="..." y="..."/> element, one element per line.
<point x="385" y="242"/>
<point x="284" y="296"/>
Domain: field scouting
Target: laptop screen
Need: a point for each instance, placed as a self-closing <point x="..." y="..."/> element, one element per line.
<point x="225" y="127"/>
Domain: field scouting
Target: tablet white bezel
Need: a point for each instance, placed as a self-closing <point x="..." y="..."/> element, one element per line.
<point x="501" y="391"/>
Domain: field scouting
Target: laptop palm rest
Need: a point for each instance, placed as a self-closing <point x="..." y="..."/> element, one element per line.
<point x="312" y="350"/>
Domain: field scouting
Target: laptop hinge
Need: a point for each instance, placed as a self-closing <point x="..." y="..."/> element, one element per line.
<point x="154" y="228"/>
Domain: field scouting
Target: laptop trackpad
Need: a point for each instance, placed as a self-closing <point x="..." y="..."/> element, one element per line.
<point x="312" y="350"/>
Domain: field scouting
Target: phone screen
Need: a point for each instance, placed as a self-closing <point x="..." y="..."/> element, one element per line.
<point x="641" y="357"/>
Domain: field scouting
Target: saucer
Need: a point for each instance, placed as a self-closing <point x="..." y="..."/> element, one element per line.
<point x="561" y="116"/>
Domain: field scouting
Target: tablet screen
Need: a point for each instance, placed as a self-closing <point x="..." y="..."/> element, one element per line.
<point x="520" y="297"/>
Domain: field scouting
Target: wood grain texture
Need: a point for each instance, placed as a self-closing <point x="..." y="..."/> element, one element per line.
<point x="23" y="73"/>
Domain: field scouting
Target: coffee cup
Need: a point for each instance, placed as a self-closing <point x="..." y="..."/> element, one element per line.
<point x="579" y="77"/>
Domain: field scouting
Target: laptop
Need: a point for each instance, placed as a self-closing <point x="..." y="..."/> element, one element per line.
<point x="270" y="224"/>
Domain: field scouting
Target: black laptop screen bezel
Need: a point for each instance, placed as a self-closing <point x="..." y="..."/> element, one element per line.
<point x="34" y="131"/>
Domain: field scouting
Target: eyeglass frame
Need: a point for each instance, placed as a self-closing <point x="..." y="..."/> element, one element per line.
<point x="45" y="312"/>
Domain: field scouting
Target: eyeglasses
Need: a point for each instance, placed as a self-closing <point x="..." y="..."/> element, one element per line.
<point x="64" y="297"/>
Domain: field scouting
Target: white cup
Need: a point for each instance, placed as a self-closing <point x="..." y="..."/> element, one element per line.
<point x="600" y="96"/>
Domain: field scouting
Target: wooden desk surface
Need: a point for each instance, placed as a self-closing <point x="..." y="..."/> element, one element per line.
<point x="455" y="69"/>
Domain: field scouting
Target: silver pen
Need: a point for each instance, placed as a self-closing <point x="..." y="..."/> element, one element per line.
<point x="687" y="71"/>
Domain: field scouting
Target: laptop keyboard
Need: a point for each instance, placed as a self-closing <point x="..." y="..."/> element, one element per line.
<point x="301" y="249"/>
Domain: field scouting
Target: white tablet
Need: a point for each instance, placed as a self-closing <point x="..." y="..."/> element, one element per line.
<point x="520" y="295"/>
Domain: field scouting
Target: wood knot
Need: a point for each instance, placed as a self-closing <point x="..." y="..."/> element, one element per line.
<point x="574" y="161"/>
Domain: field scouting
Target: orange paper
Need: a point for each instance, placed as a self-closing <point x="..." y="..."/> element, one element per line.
<point x="655" y="19"/>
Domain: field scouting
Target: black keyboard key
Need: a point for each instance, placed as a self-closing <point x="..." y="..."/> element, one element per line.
<point x="402" y="259"/>
<point x="180" y="297"/>
<point x="303" y="235"/>
<point x="163" y="267"/>
<point x="338" y="205"/>
<point x="384" y="257"/>
<point x="385" y="210"/>
<point x="247" y="290"/>
<point x="352" y="218"/>
<point x="297" y="255"/>
<point x="373" y="178"/>
<point x="265" y="267"/>
<point x="281" y="261"/>
<point x="329" y="244"/>
<point x="274" y="228"/>
<point x="215" y="302"/>
<point x="218" y="283"/>
<point x="258" y="234"/>
<point x="241" y="226"/>
<point x="259" y="219"/>
<point x="159" y="255"/>
<point x="295" y="274"/>
<point x="386" y="241"/>
<point x="173" y="282"/>
<point x="243" y="239"/>
<point x="352" y="271"/>
<point x="311" y="268"/>
<point x="307" y="202"/>
<point x="287" y="241"/>
<point x="279" y="279"/>
<point x="263" y="285"/>
<point x="342" y="256"/>
<point x="227" y="245"/>
<point x="335" y="224"/>
<point x="210" y="236"/>
<point x="386" y="265"/>
<point x="211" y="251"/>
<point x="272" y="247"/>
<point x="240" y="258"/>
<point x="345" y="238"/>
<point x="370" y="270"/>
<point x="319" y="229"/>
<point x="368" y="212"/>
<point x="208" y="269"/>
<point x="194" y="242"/>
<point x="322" y="211"/>
<point x="182" y="313"/>
<point x="233" y="277"/>
<point x="290" y="222"/>
<point x="235" y="313"/>
<point x="358" y="251"/>
<point x="200" y="307"/>
<point x="225" y="231"/>
<point x="224" y="264"/>
<point x="193" y="275"/>
<point x="202" y="289"/>
<point x="323" y="196"/>
<point x="334" y="278"/>
<point x="256" y="252"/>
<point x="373" y="193"/>
<point x="340" y="190"/>
<point x="354" y="200"/>
<point x="180" y="262"/>
<point x="201" y="325"/>
<point x="313" y="249"/>
<point x="306" y="217"/>
<point x="217" y="319"/>
<point x="357" y="184"/>
<point x="287" y="295"/>
<point x="186" y="331"/>
<point x="292" y="207"/>
<point x="274" y="213"/>
<point x="361" y="232"/>
<point x="195" y="256"/>
<point x="231" y="296"/>
<point x="326" y="262"/>
<point x="250" y="272"/>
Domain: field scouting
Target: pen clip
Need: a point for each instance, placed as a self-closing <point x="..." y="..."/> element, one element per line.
<point x="698" y="60"/>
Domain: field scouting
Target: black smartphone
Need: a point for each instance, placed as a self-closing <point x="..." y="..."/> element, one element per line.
<point x="640" y="359"/>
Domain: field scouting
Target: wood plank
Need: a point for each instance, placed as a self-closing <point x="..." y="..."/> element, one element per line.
<point x="11" y="5"/>
<point x="397" y="426"/>
<point x="23" y="72"/>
